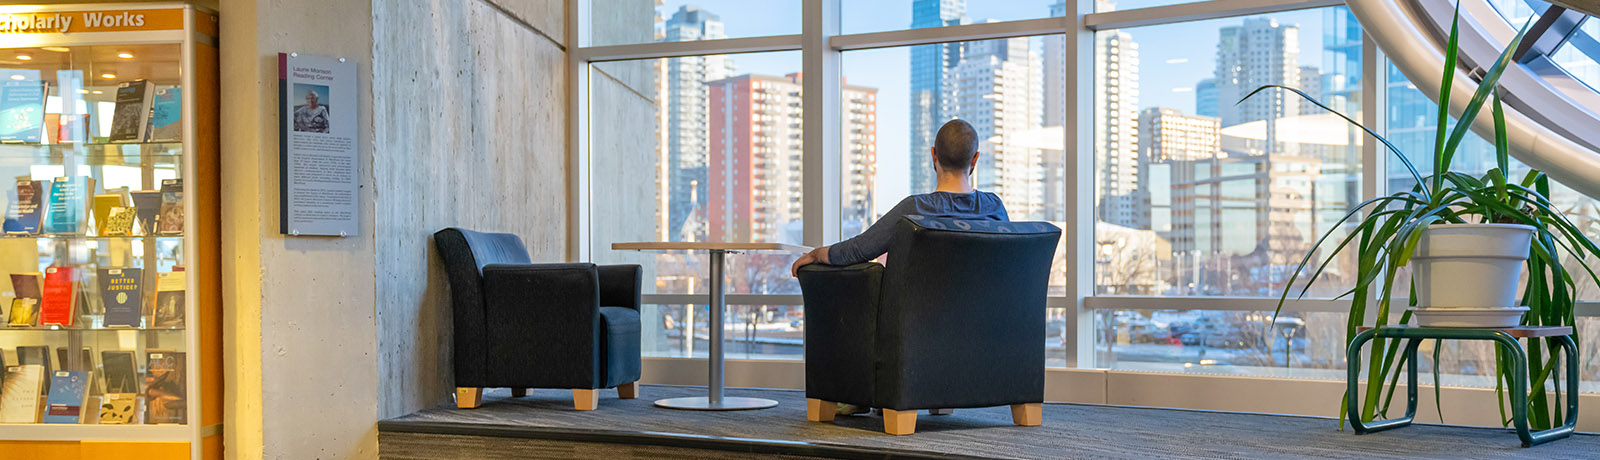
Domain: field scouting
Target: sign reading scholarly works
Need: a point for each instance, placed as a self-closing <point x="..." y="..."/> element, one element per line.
<point x="317" y="162"/>
<point x="67" y="22"/>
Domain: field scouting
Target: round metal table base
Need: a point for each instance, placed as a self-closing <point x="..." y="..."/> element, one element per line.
<point x="704" y="403"/>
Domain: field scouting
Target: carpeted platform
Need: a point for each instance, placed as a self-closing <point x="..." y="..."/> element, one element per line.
<point x="544" y="425"/>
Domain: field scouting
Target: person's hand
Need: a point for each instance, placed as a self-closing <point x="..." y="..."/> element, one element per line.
<point x="818" y="255"/>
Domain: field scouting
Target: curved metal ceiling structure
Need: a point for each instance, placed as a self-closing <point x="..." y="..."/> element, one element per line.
<point x="1552" y="130"/>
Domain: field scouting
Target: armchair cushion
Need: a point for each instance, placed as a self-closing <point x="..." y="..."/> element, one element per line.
<point x="619" y="344"/>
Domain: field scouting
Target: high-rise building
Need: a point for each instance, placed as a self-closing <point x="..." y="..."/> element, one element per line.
<point x="1259" y="52"/>
<point x="756" y="150"/>
<point x="684" y="109"/>
<point x="1055" y="71"/>
<point x="1167" y="136"/>
<point x="996" y="87"/>
<point x="1239" y="221"/>
<point x="1205" y="98"/>
<point x="1117" y="195"/>
<point x="929" y="64"/>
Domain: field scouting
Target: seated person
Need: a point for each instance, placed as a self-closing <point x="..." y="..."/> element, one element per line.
<point x="955" y="156"/>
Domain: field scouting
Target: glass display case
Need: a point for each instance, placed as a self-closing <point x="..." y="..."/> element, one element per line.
<point x="109" y="301"/>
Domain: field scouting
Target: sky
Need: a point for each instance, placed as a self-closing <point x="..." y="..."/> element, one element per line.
<point x="1172" y="58"/>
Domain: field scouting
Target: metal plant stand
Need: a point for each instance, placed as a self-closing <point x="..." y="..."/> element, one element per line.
<point x="1505" y="338"/>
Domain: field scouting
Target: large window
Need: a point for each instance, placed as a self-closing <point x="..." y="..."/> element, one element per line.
<point x="1201" y="205"/>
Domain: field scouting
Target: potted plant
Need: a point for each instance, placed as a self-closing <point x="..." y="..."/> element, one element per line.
<point x="1466" y="240"/>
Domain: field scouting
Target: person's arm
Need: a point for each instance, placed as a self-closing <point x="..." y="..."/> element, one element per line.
<point x="864" y="247"/>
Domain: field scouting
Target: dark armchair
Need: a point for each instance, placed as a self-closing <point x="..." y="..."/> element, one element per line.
<point x="957" y="320"/>
<point x="521" y="325"/>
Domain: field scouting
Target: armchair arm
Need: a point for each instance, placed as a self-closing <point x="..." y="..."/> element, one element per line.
<point x="621" y="286"/>
<point x="548" y="314"/>
<point x="841" y="307"/>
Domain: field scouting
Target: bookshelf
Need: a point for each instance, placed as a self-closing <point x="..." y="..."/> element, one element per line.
<point x="163" y="172"/>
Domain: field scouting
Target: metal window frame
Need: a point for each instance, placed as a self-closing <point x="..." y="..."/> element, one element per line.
<point x="821" y="45"/>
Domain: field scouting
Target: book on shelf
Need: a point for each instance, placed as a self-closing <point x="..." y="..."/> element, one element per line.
<point x="23" y="312"/>
<point x="170" y="222"/>
<point x="166" y="115"/>
<point x="102" y="210"/>
<point x="119" y="409"/>
<point x="120" y="371"/>
<point x="120" y="221"/>
<point x="166" y="396"/>
<point x="147" y="203"/>
<point x="59" y="306"/>
<point x="22" y="111"/>
<point x="73" y="129"/>
<point x="68" y="208"/>
<point x="122" y="296"/>
<point x="69" y="391"/>
<point x="131" y="117"/>
<point x="170" y="306"/>
<point x="23" y="309"/>
<point x="19" y="395"/>
<point x="27" y="207"/>
<point x="85" y="357"/>
<point x="38" y="355"/>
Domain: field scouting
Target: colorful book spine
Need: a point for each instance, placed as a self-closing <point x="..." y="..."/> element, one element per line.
<point x="59" y="305"/>
<point x="121" y="294"/>
<point x="27" y="209"/>
<point x="69" y="205"/>
<point x="69" y="391"/>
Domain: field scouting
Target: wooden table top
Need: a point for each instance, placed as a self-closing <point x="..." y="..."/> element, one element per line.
<point x="707" y="246"/>
<point x="1521" y="332"/>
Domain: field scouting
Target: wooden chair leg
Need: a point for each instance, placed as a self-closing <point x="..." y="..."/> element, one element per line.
<point x="519" y="392"/>
<point x="1030" y="414"/>
<point x="818" y="410"/>
<point x="941" y="411"/>
<point x="585" y="399"/>
<point x="469" y="398"/>
<point x="628" y="390"/>
<point x="899" y="423"/>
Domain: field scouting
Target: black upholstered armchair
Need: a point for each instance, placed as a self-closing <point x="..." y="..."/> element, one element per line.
<point x="520" y="325"/>
<point x="957" y="320"/>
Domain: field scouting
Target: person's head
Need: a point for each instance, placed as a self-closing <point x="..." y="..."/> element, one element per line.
<point x="955" y="149"/>
<point x="311" y="99"/>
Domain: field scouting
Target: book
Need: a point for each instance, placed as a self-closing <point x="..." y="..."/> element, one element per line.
<point x="68" y="207"/>
<point x="85" y="360"/>
<point x="120" y="372"/>
<point x="74" y="129"/>
<point x="147" y="202"/>
<point x="131" y="117"/>
<point x="166" y="115"/>
<point x="39" y="356"/>
<point x="59" y="305"/>
<point x="26" y="210"/>
<point x="22" y="111"/>
<point x="120" y="222"/>
<point x="165" y="389"/>
<point x="27" y="285"/>
<point x="170" y="222"/>
<point x="69" y="391"/>
<point x="52" y="128"/>
<point x="122" y="296"/>
<point x="23" y="309"/>
<point x="169" y="309"/>
<point x="102" y="205"/>
<point x="23" y="312"/>
<point x="19" y="395"/>
<point x="118" y="409"/>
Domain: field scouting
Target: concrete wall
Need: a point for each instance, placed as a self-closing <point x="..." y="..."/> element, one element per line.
<point x="300" y="328"/>
<point x="470" y="102"/>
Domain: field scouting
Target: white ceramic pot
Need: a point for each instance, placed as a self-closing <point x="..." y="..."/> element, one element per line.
<point x="1467" y="274"/>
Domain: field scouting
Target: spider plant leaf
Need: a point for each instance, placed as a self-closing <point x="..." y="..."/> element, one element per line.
<point x="1452" y="45"/>
<point x="1491" y="78"/>
<point x="1438" y="385"/>
<point x="1502" y="147"/>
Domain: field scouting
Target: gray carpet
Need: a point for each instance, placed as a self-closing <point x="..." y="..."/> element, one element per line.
<point x="1069" y="431"/>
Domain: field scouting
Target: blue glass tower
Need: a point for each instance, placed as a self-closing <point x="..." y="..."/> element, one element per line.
<point x="928" y="65"/>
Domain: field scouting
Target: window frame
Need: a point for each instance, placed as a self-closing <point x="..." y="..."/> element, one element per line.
<point x="821" y="45"/>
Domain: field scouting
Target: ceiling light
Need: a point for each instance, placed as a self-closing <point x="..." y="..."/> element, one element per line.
<point x="58" y="49"/>
<point x="99" y="92"/>
<point x="108" y="76"/>
<point x="17" y="77"/>
<point x="125" y="55"/>
<point x="83" y="91"/>
<point x="24" y="57"/>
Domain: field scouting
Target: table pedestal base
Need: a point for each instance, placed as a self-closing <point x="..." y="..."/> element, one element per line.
<point x="704" y="403"/>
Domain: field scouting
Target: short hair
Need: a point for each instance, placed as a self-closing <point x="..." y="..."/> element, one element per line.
<point x="955" y="145"/>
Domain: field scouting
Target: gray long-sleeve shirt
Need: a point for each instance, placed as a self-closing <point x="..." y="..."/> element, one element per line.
<point x="875" y="241"/>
